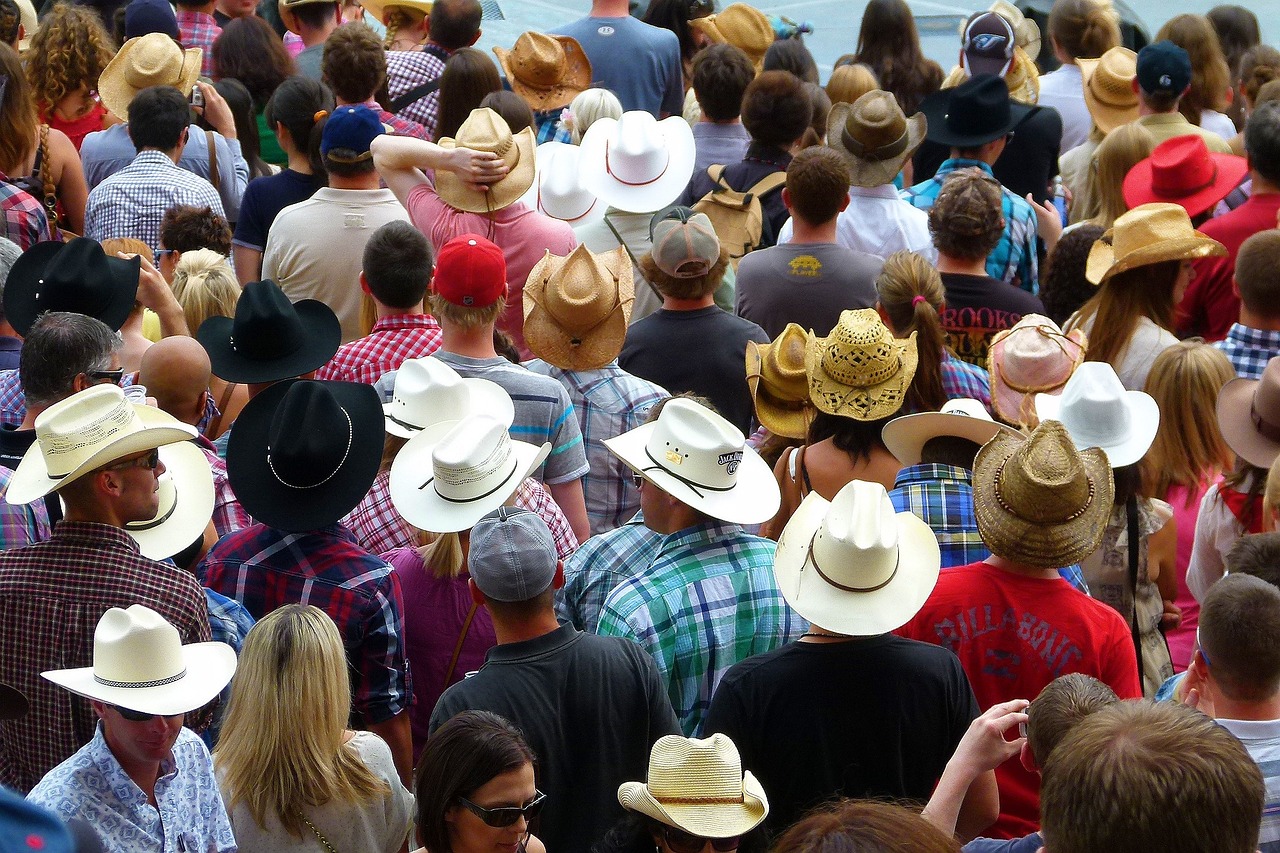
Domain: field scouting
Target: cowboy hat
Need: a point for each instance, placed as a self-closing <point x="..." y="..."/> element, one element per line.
<point x="84" y="432"/>
<point x="30" y="22"/>
<point x="1098" y="412"/>
<point x="637" y="163"/>
<point x="1026" y="31"/>
<point x="145" y="61"/>
<point x="557" y="189"/>
<point x="1039" y="501"/>
<point x="743" y="26"/>
<point x="1182" y="170"/>
<point x="186" y="502"/>
<point x="270" y="338"/>
<point x="485" y="130"/>
<point x="430" y="395"/>
<point x="905" y="437"/>
<point x="698" y="785"/>
<point x="779" y="383"/>
<point x="976" y="112"/>
<point x="304" y="453"/>
<point x="377" y="8"/>
<point x="576" y="308"/>
<point x="446" y="484"/>
<point x="1032" y="357"/>
<point x="698" y="457"/>
<point x="140" y="663"/>
<point x="853" y="565"/>
<point x="1150" y="234"/>
<point x="75" y="276"/>
<point x="1249" y="416"/>
<point x="860" y="370"/>
<point x="1108" y="87"/>
<point x="548" y="71"/>
<point x="875" y="137"/>
<point x="13" y="705"/>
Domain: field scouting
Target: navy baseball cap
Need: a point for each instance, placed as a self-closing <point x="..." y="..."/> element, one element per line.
<point x="351" y="128"/>
<point x="143" y="17"/>
<point x="1164" y="69"/>
<point x="987" y="44"/>
<point x="512" y="555"/>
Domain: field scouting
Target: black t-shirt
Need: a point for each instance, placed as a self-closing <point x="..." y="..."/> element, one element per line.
<point x="1029" y="160"/>
<point x="263" y="200"/>
<point x="14" y="443"/>
<point x="875" y="717"/>
<point x="978" y="308"/>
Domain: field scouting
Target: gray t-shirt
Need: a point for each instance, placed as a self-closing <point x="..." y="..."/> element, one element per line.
<point x="805" y="283"/>
<point x="308" y="61"/>
<point x="638" y="63"/>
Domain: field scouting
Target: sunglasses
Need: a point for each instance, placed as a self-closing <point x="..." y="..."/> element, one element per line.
<point x="507" y="815"/>
<point x="683" y="842"/>
<point x="140" y="716"/>
<point x="112" y="376"/>
<point x="638" y="479"/>
<point x="149" y="462"/>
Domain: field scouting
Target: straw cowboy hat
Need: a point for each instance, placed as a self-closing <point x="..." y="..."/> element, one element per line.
<point x="853" y="565"/>
<point x="905" y="437"/>
<point x="745" y="27"/>
<point x="378" y="8"/>
<point x="1032" y="357"/>
<point x="576" y="308"/>
<point x="1039" y="501"/>
<point x="637" y="163"/>
<point x="698" y="785"/>
<point x="429" y="395"/>
<point x="860" y="370"/>
<point x="1249" y="416"/>
<point x="186" y="496"/>
<point x="485" y="130"/>
<point x="1184" y="171"/>
<point x="548" y="71"/>
<point x="150" y="60"/>
<point x="75" y="276"/>
<point x="1026" y="31"/>
<point x="779" y="383"/>
<point x="1108" y="87"/>
<point x="875" y="137"/>
<point x="1147" y="235"/>
<point x="558" y="190"/>
<point x="1098" y="412"/>
<point x="140" y="663"/>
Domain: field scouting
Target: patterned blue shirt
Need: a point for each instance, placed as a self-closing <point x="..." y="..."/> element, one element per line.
<point x="1249" y="349"/>
<point x="962" y="379"/>
<point x="229" y="623"/>
<point x="132" y="202"/>
<point x="549" y="127"/>
<point x="942" y="497"/>
<point x="599" y="566"/>
<point x="92" y="785"/>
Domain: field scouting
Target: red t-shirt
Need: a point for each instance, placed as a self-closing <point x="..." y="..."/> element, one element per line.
<point x="1210" y="305"/>
<point x="1013" y="635"/>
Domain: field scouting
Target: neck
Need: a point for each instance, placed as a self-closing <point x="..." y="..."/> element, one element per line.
<point x="174" y="154"/>
<point x="370" y="181"/>
<point x="803" y="232"/>
<point x="988" y="154"/>
<point x="1262" y="322"/>
<point x="1261" y="186"/>
<point x="1019" y="569"/>
<point x="1232" y="709"/>
<point x="29" y="419"/>
<point x="670" y="303"/>
<point x="387" y="311"/>
<point x="610" y="9"/>
<point x="1144" y="109"/>
<point x="949" y="264"/>
<point x="311" y="38"/>
<point x="97" y="513"/>
<point x="473" y="343"/>
<point x="298" y="162"/>
<point x="520" y="630"/>
<point x="144" y="774"/>
<point x="207" y="8"/>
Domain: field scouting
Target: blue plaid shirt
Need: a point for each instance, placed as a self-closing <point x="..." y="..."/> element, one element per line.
<point x="1014" y="257"/>
<point x="229" y="623"/>
<point x="600" y="565"/>
<point x="1249" y="349"/>
<point x="962" y="379"/>
<point x="549" y="127"/>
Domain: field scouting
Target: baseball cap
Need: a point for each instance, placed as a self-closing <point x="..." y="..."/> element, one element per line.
<point x="988" y="44"/>
<point x="512" y="556"/>
<point x="27" y="826"/>
<point x="470" y="271"/>
<point x="351" y="128"/>
<point x="685" y="244"/>
<point x="143" y="17"/>
<point x="1164" y="69"/>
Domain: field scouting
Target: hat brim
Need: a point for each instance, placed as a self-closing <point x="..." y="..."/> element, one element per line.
<point x="935" y="109"/>
<point x="1229" y="171"/>
<point x="883" y="398"/>
<point x="638" y="198"/>
<point x="209" y="667"/>
<point x="706" y="820"/>
<point x="905" y="437"/>
<point x="1106" y="116"/>
<point x="1102" y="263"/>
<point x="576" y="79"/>
<point x="873" y="173"/>
<point x="1144" y="420"/>
<point x="489" y="398"/>
<point x="506" y="192"/>
<point x="1235" y="419"/>
<point x="294" y="510"/>
<point x="22" y="304"/>
<point x="115" y="91"/>
<point x="377" y="8"/>
<point x="1007" y="403"/>
<point x="323" y="333"/>
<point x="186" y="503"/>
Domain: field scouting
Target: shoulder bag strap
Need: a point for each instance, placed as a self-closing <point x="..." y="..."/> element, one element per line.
<point x="635" y="264"/>
<point x="213" y="159"/>
<point x="212" y="429"/>
<point x="324" y="842"/>
<point x="457" y="650"/>
<point x="1131" y="509"/>
<point x="417" y="93"/>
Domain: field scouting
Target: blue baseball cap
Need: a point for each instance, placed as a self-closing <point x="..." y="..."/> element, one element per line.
<point x="26" y="826"/>
<point x="1164" y="69"/>
<point x="350" y="128"/>
<point x="143" y="17"/>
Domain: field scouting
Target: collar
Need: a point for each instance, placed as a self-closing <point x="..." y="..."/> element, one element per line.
<point x="110" y="768"/>
<point x="927" y="472"/>
<point x="537" y="647"/>
<point x="10" y="344"/>
<point x="700" y="536"/>
<point x="192" y="15"/>
<point x="94" y="534"/>
<point x="761" y="153"/>
<point x="405" y="321"/>
<point x="883" y="191"/>
<point x="1249" y="336"/>
<point x="1174" y="117"/>
<point x="151" y="155"/>
<point x="953" y="163"/>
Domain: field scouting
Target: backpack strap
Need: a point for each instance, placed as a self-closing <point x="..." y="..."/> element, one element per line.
<point x="767" y="184"/>
<point x="417" y="93"/>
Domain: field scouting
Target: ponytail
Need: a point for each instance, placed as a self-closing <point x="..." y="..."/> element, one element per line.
<point x="911" y="297"/>
<point x="301" y="105"/>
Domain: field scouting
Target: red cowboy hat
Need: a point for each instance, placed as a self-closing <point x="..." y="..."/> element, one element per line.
<point x="1183" y="171"/>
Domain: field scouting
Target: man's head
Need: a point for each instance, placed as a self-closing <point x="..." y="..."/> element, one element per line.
<point x="1256" y="555"/>
<point x="817" y="186"/>
<point x="966" y="220"/>
<point x="64" y="353"/>
<point x="776" y="109"/>
<point x="158" y="119"/>
<point x="313" y="20"/>
<point x="987" y="45"/>
<point x="1255" y="275"/>
<point x="345" y="141"/>
<point x="1164" y="75"/>
<point x="135" y="738"/>
<point x="455" y="23"/>
<point x="1240" y="639"/>
<point x="176" y="371"/>
<point x="513" y="565"/>
<point x="354" y="64"/>
<point x="721" y="74"/>
<point x="686" y="260"/>
<point x="397" y="265"/>
<point x="185" y="228"/>
<point x="469" y="285"/>
<point x="1062" y="704"/>
<point x="1262" y="142"/>
<point x="9" y="253"/>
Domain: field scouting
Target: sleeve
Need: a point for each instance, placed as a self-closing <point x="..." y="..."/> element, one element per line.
<point x="271" y="254"/>
<point x="1205" y="566"/>
<point x="251" y="231"/>
<point x="384" y="684"/>
<point x="235" y="174"/>
<point x="673" y="97"/>
<point x="1028" y="264"/>
<point x="568" y="459"/>
<point x="662" y="717"/>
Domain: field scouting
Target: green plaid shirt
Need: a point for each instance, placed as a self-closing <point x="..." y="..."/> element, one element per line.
<point x="708" y="601"/>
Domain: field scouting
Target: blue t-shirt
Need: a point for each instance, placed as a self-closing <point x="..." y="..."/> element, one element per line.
<point x="637" y="62"/>
<point x="1026" y="844"/>
<point x="263" y="200"/>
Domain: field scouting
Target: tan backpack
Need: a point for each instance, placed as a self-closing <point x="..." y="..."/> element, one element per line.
<point x="737" y="216"/>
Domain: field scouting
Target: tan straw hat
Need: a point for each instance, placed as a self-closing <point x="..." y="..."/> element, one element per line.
<point x="378" y="8"/>
<point x="1249" y="416"/>
<point x="962" y="417"/>
<point x="698" y="785"/>
<point x="875" y="137"/>
<point x="547" y="71"/>
<point x="779" y="383"/>
<point x="860" y="370"/>
<point x="1108" y="87"/>
<point x="1034" y="357"/>
<point x="576" y="308"/>
<point x="745" y="27"/>
<point x="150" y="60"/>
<point x="485" y="130"/>
<point x="1149" y="234"/>
<point x="1039" y="501"/>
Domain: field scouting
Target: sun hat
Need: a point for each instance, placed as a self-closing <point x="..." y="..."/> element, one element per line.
<point x="1108" y="89"/>
<point x="779" y="383"/>
<point x="13" y="705"/>
<point x="637" y="163"/>
<point x="1182" y="170"/>
<point x="860" y="370"/>
<point x="75" y="276"/>
<point x="512" y="556"/>
<point x="854" y="565"/>
<point x="557" y="189"/>
<point x="874" y="136"/>
<point x="1026" y="31"/>
<point x="1098" y="412"/>
<point x="270" y="338"/>
<point x="142" y="17"/>
<point x="186" y="497"/>
<point x="1149" y="234"/>
<point x="447" y="484"/>
<point x="430" y="395"/>
<point x="699" y="786"/>
<point x="548" y="71"/>
<point x="1249" y="416"/>
<point x="963" y="417"/>
<point x="304" y="453"/>
<point x="377" y="8"/>
<point x="485" y="130"/>
<point x="1163" y="68"/>
<point x="577" y="307"/>
<point x="1039" y="501"/>
<point x="1032" y="357"/>
<point x="84" y="432"/>
<point x="350" y="128"/>
<point x="150" y="60"/>
<point x="987" y="43"/>
<point x="30" y="22"/>
<point x="140" y="663"/>
<point x="973" y="113"/>
<point x="698" y="457"/>
<point x="743" y="26"/>
<point x="684" y="243"/>
<point x="470" y="272"/>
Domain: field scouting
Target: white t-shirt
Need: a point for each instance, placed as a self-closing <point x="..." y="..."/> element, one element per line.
<point x="1218" y="123"/>
<point x="1063" y="89"/>
<point x="1146" y="343"/>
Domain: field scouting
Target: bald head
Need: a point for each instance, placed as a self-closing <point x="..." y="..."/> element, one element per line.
<point x="455" y="23"/>
<point x="176" y="372"/>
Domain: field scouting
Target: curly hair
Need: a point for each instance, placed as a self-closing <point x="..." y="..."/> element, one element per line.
<point x="966" y="220"/>
<point x="71" y="47"/>
<point x="1063" y="287"/>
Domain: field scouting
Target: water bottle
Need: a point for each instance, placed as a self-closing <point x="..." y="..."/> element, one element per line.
<point x="1060" y="198"/>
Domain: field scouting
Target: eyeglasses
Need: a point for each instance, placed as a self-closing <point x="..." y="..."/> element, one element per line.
<point x="112" y="376"/>
<point x="683" y="842"/>
<point x="140" y="716"/>
<point x="507" y="815"/>
<point x="164" y="253"/>
<point x="149" y="462"/>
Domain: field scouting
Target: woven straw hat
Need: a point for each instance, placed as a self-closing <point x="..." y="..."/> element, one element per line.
<point x="698" y="785"/>
<point x="1026" y="31"/>
<point x="485" y="130"/>
<point x="745" y="27"/>
<point x="1149" y="234"/>
<point x="576" y="308"/>
<point x="1108" y="87"/>
<point x="779" y="383"/>
<point x="1039" y="501"/>
<point x="875" y="137"/>
<point x="860" y="370"/>
<point x="1034" y="357"/>
<point x="378" y="8"/>
<point x="150" y="60"/>
<point x="547" y="71"/>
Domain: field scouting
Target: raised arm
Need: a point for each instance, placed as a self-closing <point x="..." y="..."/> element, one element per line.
<point x="403" y="160"/>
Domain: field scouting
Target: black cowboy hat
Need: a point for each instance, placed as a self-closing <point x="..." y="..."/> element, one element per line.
<point x="270" y="339"/>
<point x="76" y="276"/>
<point x="974" y="113"/>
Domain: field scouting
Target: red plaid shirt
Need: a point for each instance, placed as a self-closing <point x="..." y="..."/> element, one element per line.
<point x="393" y="341"/>
<point x="399" y="126"/>
<point x="198" y="29"/>
<point x="228" y="515"/>
<point x="25" y="221"/>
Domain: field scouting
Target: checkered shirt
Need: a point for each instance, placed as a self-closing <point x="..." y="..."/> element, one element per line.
<point x="1014" y="257"/>
<point x="21" y="525"/>
<point x="549" y="127"/>
<point x="602" y="563"/>
<point x="198" y="29"/>
<point x="608" y="402"/>
<point x="25" y="221"/>
<point x="408" y="69"/>
<point x="393" y="341"/>
<point x="942" y="497"/>
<point x="962" y="379"/>
<point x="228" y="515"/>
<point x="1249" y="349"/>
<point x="229" y="623"/>
<point x="399" y="126"/>
<point x="131" y="202"/>
<point x="709" y="600"/>
<point x="51" y="597"/>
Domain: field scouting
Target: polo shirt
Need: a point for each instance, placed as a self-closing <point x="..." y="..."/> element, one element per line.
<point x="1210" y="307"/>
<point x="1165" y="126"/>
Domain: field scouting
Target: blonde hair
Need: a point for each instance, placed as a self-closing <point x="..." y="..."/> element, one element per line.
<point x="205" y="286"/>
<point x="1119" y="152"/>
<point x="1271" y="498"/>
<point x="466" y="318"/>
<point x="850" y="82"/>
<point x="283" y="745"/>
<point x="396" y="17"/>
<point x="911" y="295"/>
<point x="589" y="107"/>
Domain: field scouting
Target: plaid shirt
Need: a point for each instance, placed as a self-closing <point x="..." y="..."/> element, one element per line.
<point x="229" y="623"/>
<point x="602" y="563"/>
<point x="228" y="515"/>
<point x="942" y="497"/>
<point x="393" y="341"/>
<point x="198" y="29"/>
<point x="51" y="597"/>
<point x="1249" y="349"/>
<point x="408" y="69"/>
<point x="131" y="202"/>
<point x="25" y="221"/>
<point x="549" y="127"/>
<point x="1014" y="257"/>
<point x="21" y="525"/>
<point x="399" y="126"/>
<point x="709" y="600"/>
<point x="962" y="379"/>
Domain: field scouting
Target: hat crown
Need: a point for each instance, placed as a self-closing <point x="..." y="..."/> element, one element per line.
<point x="561" y="194"/>
<point x="266" y="326"/>
<point x="310" y="436"/>
<point x="1181" y="166"/>
<point x="861" y="351"/>
<point x="538" y="59"/>
<point x="856" y="545"/>
<point x="427" y="391"/>
<point x="1044" y="481"/>
<point x="580" y="292"/>
<point x="746" y="27"/>
<point x="473" y="460"/>
<point x="1093" y="406"/>
<point x="136" y="647"/>
<point x="512" y="555"/>
<point x="782" y="367"/>
<point x="965" y="407"/>
<point x="155" y="60"/>
<point x="485" y="130"/>
<point x="636" y="152"/>
<point x="72" y="430"/>
<point x="708" y="770"/>
<point x="77" y="279"/>
<point x="696" y="446"/>
<point x="876" y="124"/>
<point x="1036" y="355"/>
<point x="979" y="106"/>
<point x="1111" y="80"/>
<point x="685" y="246"/>
<point x="1149" y="225"/>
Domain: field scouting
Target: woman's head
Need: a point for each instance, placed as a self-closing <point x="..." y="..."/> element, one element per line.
<point x="674" y="15"/>
<point x="588" y="107"/>
<point x="1063" y="286"/>
<point x="1084" y="29"/>
<point x="1259" y="65"/>
<point x="1237" y="29"/>
<point x="298" y="105"/>
<point x="17" y="115"/>
<point x="1210" y="76"/>
<point x="513" y="109"/>
<point x="251" y="52"/>
<point x="850" y="82"/>
<point x="888" y="29"/>
<point x="1184" y="381"/>
<point x="1122" y="149"/>
<point x="864" y="826"/>
<point x="205" y="286"/>
<point x="468" y="76"/>
<point x="776" y="110"/>
<point x="68" y="51"/>
<point x="910" y="296"/>
<point x="404" y="21"/>
<point x="791" y="55"/>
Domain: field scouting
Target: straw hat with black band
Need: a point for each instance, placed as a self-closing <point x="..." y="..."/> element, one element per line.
<point x="1150" y="234"/>
<point x="875" y="137"/>
<point x="485" y="130"/>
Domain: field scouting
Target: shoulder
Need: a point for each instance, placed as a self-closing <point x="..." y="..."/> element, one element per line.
<point x="373" y="751"/>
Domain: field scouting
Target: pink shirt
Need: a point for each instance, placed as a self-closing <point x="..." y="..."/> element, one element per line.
<point x="1186" y="508"/>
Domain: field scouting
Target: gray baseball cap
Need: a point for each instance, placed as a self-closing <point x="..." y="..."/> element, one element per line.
<point x="512" y="557"/>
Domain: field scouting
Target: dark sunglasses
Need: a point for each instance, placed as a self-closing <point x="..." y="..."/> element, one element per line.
<point x="683" y="842"/>
<point x="507" y="815"/>
<point x="112" y="376"/>
<point x="149" y="462"/>
<point x="140" y="716"/>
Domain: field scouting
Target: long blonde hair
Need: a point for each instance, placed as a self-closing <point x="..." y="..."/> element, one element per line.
<point x="850" y="82"/>
<point x="283" y="743"/>
<point x="205" y="286"/>
<point x="1119" y="152"/>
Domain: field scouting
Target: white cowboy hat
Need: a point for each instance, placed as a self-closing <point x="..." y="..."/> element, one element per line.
<point x="447" y="484"/>
<point x="186" y="503"/>
<point x="637" y="163"/>
<point x="700" y="458"/>
<point x="429" y="394"/>
<point x="1098" y="412"/>
<point x="557" y="189"/>
<point x="853" y="565"/>
<point x="140" y="663"/>
<point x="905" y="437"/>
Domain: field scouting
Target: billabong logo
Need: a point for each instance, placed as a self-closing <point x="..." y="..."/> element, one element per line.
<point x="730" y="461"/>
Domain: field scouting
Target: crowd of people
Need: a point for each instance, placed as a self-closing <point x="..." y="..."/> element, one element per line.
<point x="630" y="441"/>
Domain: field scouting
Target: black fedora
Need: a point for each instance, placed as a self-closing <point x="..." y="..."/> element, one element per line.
<point x="303" y="453"/>
<point x="974" y="113"/>
<point x="76" y="276"/>
<point x="270" y="338"/>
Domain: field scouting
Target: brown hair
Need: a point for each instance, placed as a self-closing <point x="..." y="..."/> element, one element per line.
<point x="816" y="135"/>
<point x="185" y="227"/>
<point x="1063" y="286"/>
<point x="776" y="109"/>
<point x="910" y="293"/>
<point x="70" y="47"/>
<point x="1062" y="703"/>
<point x="850" y="82"/>
<point x="355" y="62"/>
<point x="128" y="245"/>
<point x="468" y="76"/>
<point x="1238" y="632"/>
<point x="1237" y="30"/>
<point x="1084" y="28"/>
<point x="1123" y="299"/>
<point x="817" y="184"/>
<point x="1257" y="555"/>
<point x="17" y="115"/>
<point x="1210" y="77"/>
<point x="685" y="288"/>
<point x="1258" y="66"/>
<point x="966" y="219"/>
<point x="250" y="51"/>
<point x="467" y="318"/>
<point x="721" y="74"/>
<point x="1119" y="152"/>
<point x="864" y="826"/>
<point x="1256" y="265"/>
<point x="889" y="45"/>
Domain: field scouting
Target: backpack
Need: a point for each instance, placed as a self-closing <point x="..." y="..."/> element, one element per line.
<point x="737" y="216"/>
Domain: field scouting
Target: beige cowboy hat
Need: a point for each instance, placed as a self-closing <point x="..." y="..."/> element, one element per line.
<point x="779" y="383"/>
<point x="547" y="71"/>
<point x="378" y="8"/>
<point x="1249" y="416"/>
<point x="150" y="60"/>
<point x="186" y="496"/>
<point x="905" y="437"/>
<point x="875" y="137"/>
<point x="1098" y="411"/>
<point x="1149" y="234"/>
<point x="860" y="370"/>
<point x="745" y="27"/>
<point x="429" y="395"/>
<point x="698" y="785"/>
<point x="485" y="130"/>
<point x="1033" y="357"/>
<point x="577" y="307"/>
<point x="1108" y="87"/>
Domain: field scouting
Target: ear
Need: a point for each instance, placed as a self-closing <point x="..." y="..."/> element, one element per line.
<point x="477" y="596"/>
<point x="845" y="203"/>
<point x="1235" y="288"/>
<point x="99" y="708"/>
<point x="884" y="315"/>
<point x="557" y="582"/>
<point x="107" y="483"/>
<point x="786" y="198"/>
<point x="477" y="38"/>
<point x="364" y="283"/>
<point x="1028" y="760"/>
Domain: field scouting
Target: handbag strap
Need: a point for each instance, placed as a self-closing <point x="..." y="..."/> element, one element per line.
<point x="1131" y="510"/>
<point x="213" y="159"/>
<point x="457" y="650"/>
<point x="417" y="93"/>
<point x="211" y="431"/>
<point x="324" y="842"/>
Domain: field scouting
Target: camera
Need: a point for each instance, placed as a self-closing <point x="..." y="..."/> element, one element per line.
<point x="197" y="97"/>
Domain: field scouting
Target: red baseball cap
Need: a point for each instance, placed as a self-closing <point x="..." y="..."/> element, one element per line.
<point x="470" y="271"/>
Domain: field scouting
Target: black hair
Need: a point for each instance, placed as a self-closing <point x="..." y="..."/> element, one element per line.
<point x="295" y="104"/>
<point x="397" y="265"/>
<point x="157" y="118"/>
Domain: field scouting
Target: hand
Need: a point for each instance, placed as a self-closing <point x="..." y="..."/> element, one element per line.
<point x="153" y="291"/>
<point x="984" y="746"/>
<point x="1171" y="618"/>
<point x="1194" y="694"/>
<point x="1048" y="222"/>
<point x="216" y="111"/>
<point x="477" y="168"/>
